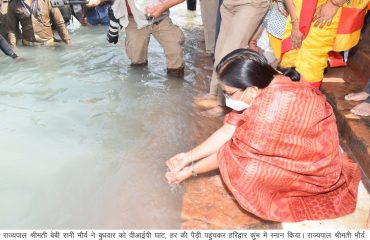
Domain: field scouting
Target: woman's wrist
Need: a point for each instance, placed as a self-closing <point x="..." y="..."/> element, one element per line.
<point x="295" y="25"/>
<point x="337" y="3"/>
<point x="193" y="173"/>
<point x="188" y="171"/>
<point x="294" y="21"/>
<point x="189" y="157"/>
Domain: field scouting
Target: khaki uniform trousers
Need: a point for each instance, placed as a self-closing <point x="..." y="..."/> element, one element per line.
<point x="209" y="10"/>
<point x="47" y="43"/>
<point x="3" y="13"/>
<point x="169" y="36"/>
<point x="238" y="24"/>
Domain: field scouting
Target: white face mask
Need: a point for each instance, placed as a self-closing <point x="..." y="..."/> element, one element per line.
<point x="237" y="105"/>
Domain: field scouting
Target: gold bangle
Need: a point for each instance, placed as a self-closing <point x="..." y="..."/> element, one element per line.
<point x="282" y="11"/>
<point x="295" y="20"/>
<point x="193" y="173"/>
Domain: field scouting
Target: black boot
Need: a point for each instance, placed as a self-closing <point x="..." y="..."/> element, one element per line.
<point x="139" y="64"/>
<point x="176" y="72"/>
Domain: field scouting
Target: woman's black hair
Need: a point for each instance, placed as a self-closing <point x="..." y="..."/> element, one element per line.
<point x="244" y="68"/>
<point x="290" y="72"/>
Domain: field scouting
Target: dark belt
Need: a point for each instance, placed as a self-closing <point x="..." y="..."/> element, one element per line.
<point x="158" y="22"/>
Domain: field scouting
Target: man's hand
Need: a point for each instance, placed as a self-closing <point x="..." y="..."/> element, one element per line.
<point x="324" y="14"/>
<point x="93" y="3"/>
<point x="84" y="22"/>
<point x="156" y="10"/>
<point x="253" y="46"/>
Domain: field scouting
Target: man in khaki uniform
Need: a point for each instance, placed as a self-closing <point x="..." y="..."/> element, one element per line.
<point x="240" y="19"/>
<point x="139" y="27"/>
<point x="35" y="18"/>
<point x="167" y="34"/>
<point x="209" y="10"/>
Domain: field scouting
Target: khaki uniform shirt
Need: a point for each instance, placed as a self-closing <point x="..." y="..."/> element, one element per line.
<point x="35" y="28"/>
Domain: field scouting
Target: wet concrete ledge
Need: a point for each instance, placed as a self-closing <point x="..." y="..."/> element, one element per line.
<point x="208" y="205"/>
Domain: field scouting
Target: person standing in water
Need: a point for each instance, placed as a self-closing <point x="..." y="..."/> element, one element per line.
<point x="36" y="18"/>
<point x="141" y="21"/>
<point x="240" y="19"/>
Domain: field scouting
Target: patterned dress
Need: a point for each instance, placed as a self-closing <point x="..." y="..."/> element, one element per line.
<point x="275" y="19"/>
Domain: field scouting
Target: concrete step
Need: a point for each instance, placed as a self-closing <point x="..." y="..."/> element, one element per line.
<point x="208" y="205"/>
<point x="354" y="130"/>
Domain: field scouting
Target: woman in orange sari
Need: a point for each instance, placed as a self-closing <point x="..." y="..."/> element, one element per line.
<point x="278" y="152"/>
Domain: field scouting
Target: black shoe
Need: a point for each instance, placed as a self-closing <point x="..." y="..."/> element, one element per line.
<point x="176" y="72"/>
<point x="139" y="64"/>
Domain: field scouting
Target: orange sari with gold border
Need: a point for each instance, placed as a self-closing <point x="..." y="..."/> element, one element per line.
<point x="284" y="162"/>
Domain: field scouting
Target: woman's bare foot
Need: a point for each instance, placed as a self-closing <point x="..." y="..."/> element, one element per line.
<point x="360" y="96"/>
<point x="368" y="221"/>
<point x="178" y="177"/>
<point x="207" y="96"/>
<point x="206" y="104"/>
<point x="178" y="162"/>
<point x="206" y="101"/>
<point x="362" y="109"/>
<point x="217" y="111"/>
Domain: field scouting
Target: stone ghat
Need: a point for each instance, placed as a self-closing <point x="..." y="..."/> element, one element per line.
<point x="208" y="205"/>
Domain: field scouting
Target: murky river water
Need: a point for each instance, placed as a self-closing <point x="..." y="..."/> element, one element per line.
<point x="84" y="136"/>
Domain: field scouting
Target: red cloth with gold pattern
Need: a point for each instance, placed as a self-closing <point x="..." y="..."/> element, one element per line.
<point x="284" y="162"/>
